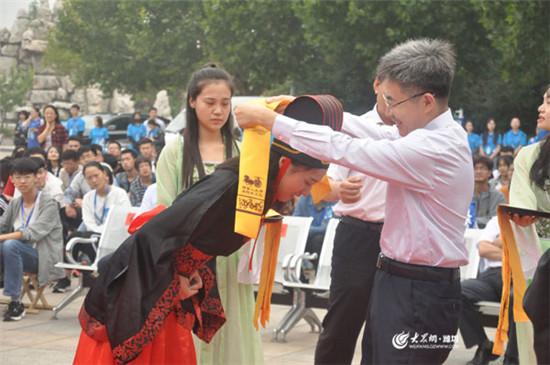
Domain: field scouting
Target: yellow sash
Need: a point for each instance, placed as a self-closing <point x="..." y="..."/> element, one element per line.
<point x="267" y="274"/>
<point x="511" y="270"/>
<point x="253" y="169"/>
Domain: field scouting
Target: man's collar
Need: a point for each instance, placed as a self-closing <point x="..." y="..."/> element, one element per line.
<point x="440" y="121"/>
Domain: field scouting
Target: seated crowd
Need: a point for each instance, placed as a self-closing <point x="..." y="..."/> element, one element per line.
<point x="56" y="187"/>
<point x="60" y="183"/>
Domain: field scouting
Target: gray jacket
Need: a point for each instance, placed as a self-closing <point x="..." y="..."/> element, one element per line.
<point x="45" y="231"/>
<point x="487" y="203"/>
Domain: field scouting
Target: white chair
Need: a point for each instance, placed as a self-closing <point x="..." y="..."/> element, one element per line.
<point x="321" y="283"/>
<point x="113" y="235"/>
<point x="293" y="243"/>
<point x="470" y="271"/>
<point x="471" y="238"/>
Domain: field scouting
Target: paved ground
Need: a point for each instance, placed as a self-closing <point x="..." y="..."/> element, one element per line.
<point x="39" y="339"/>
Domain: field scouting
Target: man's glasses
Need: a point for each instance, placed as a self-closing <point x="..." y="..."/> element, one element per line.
<point x="390" y="105"/>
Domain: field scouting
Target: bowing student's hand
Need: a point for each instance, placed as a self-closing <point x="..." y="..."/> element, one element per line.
<point x="350" y="189"/>
<point x="249" y="115"/>
<point x="190" y="286"/>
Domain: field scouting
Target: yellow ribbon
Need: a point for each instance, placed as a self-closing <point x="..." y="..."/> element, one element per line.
<point x="267" y="274"/>
<point x="253" y="170"/>
<point x="320" y="190"/>
<point x="511" y="271"/>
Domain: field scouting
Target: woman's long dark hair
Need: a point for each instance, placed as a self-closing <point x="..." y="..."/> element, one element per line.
<point x="191" y="153"/>
<point x="485" y="135"/>
<point x="49" y="163"/>
<point x="57" y="121"/>
<point x="100" y="167"/>
<point x="540" y="171"/>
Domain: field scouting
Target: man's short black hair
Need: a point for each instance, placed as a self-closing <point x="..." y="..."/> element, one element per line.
<point x="84" y="149"/>
<point x="97" y="149"/>
<point x="114" y="141"/>
<point x="141" y="160"/>
<point x="505" y="149"/>
<point x="73" y="138"/>
<point x="145" y="140"/>
<point x="75" y="106"/>
<point x="70" y="155"/>
<point x="127" y="150"/>
<point x="484" y="161"/>
<point x="19" y="152"/>
<point x="152" y="108"/>
<point x="39" y="162"/>
<point x="110" y="160"/>
<point x="36" y="151"/>
<point x="24" y="166"/>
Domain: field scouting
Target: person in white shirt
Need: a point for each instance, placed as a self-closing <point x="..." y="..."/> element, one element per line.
<point x="153" y="115"/>
<point x="361" y="205"/>
<point x="103" y="196"/>
<point x="96" y="203"/>
<point x="486" y="287"/>
<point x="149" y="199"/>
<point x="428" y="167"/>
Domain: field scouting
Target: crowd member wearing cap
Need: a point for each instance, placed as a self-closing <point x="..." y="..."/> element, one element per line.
<point x="428" y="167"/>
<point x="206" y="142"/>
<point x="147" y="314"/>
<point x="356" y="246"/>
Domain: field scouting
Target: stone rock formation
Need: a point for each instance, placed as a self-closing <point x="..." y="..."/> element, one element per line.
<point x="24" y="45"/>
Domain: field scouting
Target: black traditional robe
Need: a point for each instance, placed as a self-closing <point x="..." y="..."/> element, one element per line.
<point x="139" y="284"/>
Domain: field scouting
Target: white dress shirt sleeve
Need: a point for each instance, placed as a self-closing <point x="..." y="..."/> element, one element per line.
<point x="360" y="127"/>
<point x="405" y="162"/>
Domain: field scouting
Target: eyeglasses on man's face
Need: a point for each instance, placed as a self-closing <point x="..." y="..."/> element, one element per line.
<point x="392" y="105"/>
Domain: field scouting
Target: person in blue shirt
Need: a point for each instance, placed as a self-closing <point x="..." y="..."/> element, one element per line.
<point x="490" y="140"/>
<point x="75" y="124"/>
<point x="32" y="129"/>
<point x="515" y="137"/>
<point x="99" y="134"/>
<point x="136" y="131"/>
<point x="541" y="134"/>
<point x="474" y="140"/>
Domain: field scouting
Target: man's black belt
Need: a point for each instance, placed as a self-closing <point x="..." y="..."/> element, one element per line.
<point x="372" y="226"/>
<point x="417" y="272"/>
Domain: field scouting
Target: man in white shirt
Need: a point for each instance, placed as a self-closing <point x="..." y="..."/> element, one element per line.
<point x="153" y="115"/>
<point x="486" y="287"/>
<point x="415" y="300"/>
<point x="356" y="248"/>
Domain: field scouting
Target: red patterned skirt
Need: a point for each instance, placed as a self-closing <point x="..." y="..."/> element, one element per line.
<point x="173" y="344"/>
<point x="165" y="337"/>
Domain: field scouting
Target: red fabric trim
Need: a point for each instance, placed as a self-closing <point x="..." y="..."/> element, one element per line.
<point x="92" y="326"/>
<point x="188" y="259"/>
<point x="144" y="217"/>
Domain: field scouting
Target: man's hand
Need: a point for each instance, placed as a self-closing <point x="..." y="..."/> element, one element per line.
<point x="190" y="286"/>
<point x="350" y="189"/>
<point x="523" y="220"/>
<point x="70" y="211"/>
<point x="250" y="115"/>
<point x="78" y="203"/>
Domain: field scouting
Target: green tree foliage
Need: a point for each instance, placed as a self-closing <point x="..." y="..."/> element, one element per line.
<point x="134" y="46"/>
<point x="310" y="46"/>
<point x="13" y="89"/>
<point x="260" y="42"/>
